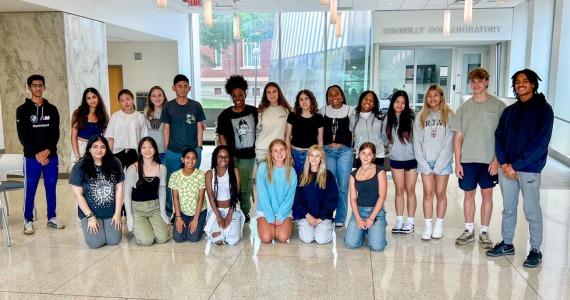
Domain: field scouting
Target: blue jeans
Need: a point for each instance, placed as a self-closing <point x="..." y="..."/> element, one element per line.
<point x="299" y="156"/>
<point x="376" y="234"/>
<point x="32" y="172"/>
<point x="172" y="161"/>
<point x="339" y="162"/>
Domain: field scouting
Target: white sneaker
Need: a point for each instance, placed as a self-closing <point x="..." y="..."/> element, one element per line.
<point x="398" y="227"/>
<point x="28" y="227"/>
<point x="54" y="223"/>
<point x="408" y="228"/>
<point x="426" y="236"/>
<point x="437" y="232"/>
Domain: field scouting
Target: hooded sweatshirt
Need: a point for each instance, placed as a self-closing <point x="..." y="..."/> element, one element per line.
<point x="368" y="128"/>
<point x="433" y="143"/>
<point x="523" y="134"/>
<point x="38" y="128"/>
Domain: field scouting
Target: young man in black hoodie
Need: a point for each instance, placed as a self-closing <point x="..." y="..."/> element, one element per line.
<point x="521" y="146"/>
<point x="38" y="131"/>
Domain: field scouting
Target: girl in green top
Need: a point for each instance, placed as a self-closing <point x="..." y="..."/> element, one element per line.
<point x="188" y="186"/>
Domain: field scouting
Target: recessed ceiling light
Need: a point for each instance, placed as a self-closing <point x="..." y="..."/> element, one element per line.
<point x="390" y="3"/>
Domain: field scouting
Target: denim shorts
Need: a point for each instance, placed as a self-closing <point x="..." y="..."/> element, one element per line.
<point x="477" y="173"/>
<point x="404" y="164"/>
<point x="448" y="170"/>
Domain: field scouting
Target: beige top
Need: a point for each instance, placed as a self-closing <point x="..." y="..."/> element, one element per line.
<point x="272" y="125"/>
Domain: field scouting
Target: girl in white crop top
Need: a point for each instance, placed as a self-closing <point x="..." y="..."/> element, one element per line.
<point x="224" y="223"/>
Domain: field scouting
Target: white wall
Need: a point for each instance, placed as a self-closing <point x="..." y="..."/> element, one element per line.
<point x="518" y="44"/>
<point x="158" y="67"/>
<point x="539" y="41"/>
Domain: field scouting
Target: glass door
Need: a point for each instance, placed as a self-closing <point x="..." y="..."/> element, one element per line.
<point x="467" y="59"/>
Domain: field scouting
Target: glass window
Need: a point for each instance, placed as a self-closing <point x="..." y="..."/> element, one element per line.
<point x="218" y="57"/>
<point x="396" y="73"/>
<point x="430" y="64"/>
<point x="249" y="59"/>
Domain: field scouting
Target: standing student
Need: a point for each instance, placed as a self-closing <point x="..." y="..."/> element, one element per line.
<point x="474" y="125"/>
<point x="337" y="140"/>
<point x="316" y="199"/>
<point x="276" y="184"/>
<point x="37" y="122"/>
<point x="521" y="146"/>
<point x="97" y="184"/>
<point x="188" y="187"/>
<point x="224" y="222"/>
<point x="368" y="188"/>
<point x="145" y="196"/>
<point x="397" y="130"/>
<point x="433" y="148"/>
<point x="153" y="113"/>
<point x="368" y="125"/>
<point x="273" y="111"/>
<point x="305" y="127"/>
<point x="126" y="128"/>
<point x="182" y="119"/>
<point x="89" y="119"/>
<point x="236" y="129"/>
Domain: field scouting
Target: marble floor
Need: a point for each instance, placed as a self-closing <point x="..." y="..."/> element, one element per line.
<point x="54" y="264"/>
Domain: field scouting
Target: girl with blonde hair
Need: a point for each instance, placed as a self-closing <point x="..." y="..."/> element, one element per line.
<point x="433" y="148"/>
<point x="316" y="199"/>
<point x="276" y="183"/>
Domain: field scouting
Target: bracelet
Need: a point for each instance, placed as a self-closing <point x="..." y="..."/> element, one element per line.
<point x="91" y="215"/>
<point x="179" y="216"/>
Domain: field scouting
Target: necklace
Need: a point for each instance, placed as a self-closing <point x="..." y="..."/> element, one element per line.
<point x="364" y="170"/>
<point x="153" y="177"/>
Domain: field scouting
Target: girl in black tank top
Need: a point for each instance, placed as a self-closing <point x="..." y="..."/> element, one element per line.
<point x="368" y="187"/>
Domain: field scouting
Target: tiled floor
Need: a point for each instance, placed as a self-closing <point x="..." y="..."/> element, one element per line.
<point x="55" y="264"/>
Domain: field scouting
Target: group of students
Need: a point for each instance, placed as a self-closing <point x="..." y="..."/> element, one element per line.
<point x="304" y="160"/>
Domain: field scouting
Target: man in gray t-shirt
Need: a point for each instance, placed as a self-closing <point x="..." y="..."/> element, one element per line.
<point x="183" y="129"/>
<point x="474" y="124"/>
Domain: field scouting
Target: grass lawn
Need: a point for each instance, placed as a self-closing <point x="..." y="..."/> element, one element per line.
<point x="211" y="103"/>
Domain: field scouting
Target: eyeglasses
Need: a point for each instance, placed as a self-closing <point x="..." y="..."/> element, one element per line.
<point x="33" y="86"/>
<point x="223" y="157"/>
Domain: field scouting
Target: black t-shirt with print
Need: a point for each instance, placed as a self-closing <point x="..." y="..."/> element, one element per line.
<point x="99" y="191"/>
<point x="239" y="130"/>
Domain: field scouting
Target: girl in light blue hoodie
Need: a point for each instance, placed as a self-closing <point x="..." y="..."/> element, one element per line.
<point x="433" y="148"/>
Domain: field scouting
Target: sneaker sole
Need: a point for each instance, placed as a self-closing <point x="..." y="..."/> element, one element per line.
<point x="396" y="231"/>
<point x="55" y="227"/>
<point x="463" y="244"/>
<point x="437" y="237"/>
<point x="485" y="246"/>
<point x="502" y="254"/>
<point x="533" y="266"/>
<point x="406" y="232"/>
<point x="426" y="239"/>
<point x="28" y="233"/>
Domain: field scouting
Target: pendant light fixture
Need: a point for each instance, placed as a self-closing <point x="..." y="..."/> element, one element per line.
<point x="502" y="1"/>
<point x="447" y="23"/>
<point x="236" y="22"/>
<point x="468" y="13"/>
<point x="325" y="3"/>
<point x="208" y="21"/>
<point x="338" y="32"/>
<point x="161" y="4"/>
<point x="333" y="11"/>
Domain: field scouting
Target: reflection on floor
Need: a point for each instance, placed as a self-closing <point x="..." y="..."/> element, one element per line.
<point x="55" y="264"/>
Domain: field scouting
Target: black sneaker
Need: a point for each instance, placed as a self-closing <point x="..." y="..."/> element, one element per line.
<point x="501" y="249"/>
<point x="534" y="259"/>
<point x="247" y="218"/>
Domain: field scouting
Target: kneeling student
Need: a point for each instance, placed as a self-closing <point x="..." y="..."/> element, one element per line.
<point x="316" y="198"/>
<point x="224" y="222"/>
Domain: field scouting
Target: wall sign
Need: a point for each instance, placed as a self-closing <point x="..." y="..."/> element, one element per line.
<point x="426" y="26"/>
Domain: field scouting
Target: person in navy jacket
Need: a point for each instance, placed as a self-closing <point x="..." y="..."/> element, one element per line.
<point x="521" y="146"/>
<point x="316" y="198"/>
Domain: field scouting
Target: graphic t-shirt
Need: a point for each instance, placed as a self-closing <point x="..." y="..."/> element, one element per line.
<point x="239" y="130"/>
<point x="98" y="191"/>
<point x="156" y="129"/>
<point x="183" y="121"/>
<point x="188" y="188"/>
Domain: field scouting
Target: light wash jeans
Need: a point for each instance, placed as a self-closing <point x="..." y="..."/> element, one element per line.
<point x="235" y="232"/>
<point x="529" y="184"/>
<point x="376" y="234"/>
<point x="339" y="162"/>
<point x="172" y="161"/>
<point x="299" y="156"/>
<point x="322" y="233"/>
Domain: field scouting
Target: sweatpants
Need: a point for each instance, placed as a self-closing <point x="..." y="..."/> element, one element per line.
<point x="106" y="234"/>
<point x="32" y="172"/>
<point x="529" y="184"/>
<point x="322" y="233"/>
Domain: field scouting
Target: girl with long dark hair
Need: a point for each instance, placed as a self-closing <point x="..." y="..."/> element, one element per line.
<point x="397" y="130"/>
<point x="368" y="125"/>
<point x="272" y="115"/>
<point x="89" y="119"/>
<point x="97" y="184"/>
<point x="306" y="128"/>
<point x="338" y="117"/>
<point x="188" y="188"/>
<point x="153" y="112"/>
<point x="145" y="196"/>
<point x="224" y="222"/>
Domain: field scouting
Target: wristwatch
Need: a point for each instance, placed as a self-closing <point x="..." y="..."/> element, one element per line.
<point x="201" y="147"/>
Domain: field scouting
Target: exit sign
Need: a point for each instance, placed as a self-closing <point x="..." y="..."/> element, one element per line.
<point x="193" y="2"/>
